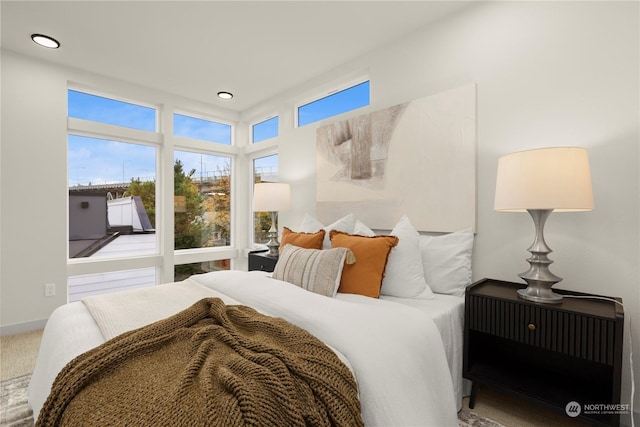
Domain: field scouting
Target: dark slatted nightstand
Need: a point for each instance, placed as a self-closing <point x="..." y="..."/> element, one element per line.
<point x="554" y="354"/>
<point x="258" y="260"/>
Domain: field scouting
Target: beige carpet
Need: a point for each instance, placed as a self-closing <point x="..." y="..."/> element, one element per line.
<point x="18" y="353"/>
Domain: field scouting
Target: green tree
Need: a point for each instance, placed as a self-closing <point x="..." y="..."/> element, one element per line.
<point x="219" y="205"/>
<point x="191" y="229"/>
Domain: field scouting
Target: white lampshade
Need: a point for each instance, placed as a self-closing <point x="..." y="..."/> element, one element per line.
<point x="271" y="197"/>
<point x="555" y="178"/>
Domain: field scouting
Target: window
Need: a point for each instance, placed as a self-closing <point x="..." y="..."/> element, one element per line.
<point x="337" y="103"/>
<point x="112" y="177"/>
<point x="111" y="198"/>
<point x="111" y="193"/>
<point x="265" y="169"/>
<point x="202" y="200"/>
<point x="265" y="130"/>
<point x="183" y="271"/>
<point x="204" y="130"/>
<point x="83" y="285"/>
<point x="86" y="106"/>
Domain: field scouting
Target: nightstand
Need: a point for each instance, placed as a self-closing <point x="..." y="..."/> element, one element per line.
<point x="258" y="260"/>
<point x="553" y="354"/>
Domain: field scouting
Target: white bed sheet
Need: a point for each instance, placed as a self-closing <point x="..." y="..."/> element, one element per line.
<point x="447" y="311"/>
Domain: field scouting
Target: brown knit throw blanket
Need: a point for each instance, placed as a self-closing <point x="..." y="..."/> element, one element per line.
<point x="209" y="365"/>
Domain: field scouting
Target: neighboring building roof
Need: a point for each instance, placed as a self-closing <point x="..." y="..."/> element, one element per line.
<point x="126" y="216"/>
<point x="127" y="245"/>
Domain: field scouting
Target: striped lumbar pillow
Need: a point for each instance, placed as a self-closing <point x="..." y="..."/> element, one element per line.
<point x="315" y="270"/>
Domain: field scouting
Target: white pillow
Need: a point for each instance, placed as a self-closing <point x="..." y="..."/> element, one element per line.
<point x="404" y="275"/>
<point x="447" y="261"/>
<point x="362" y="230"/>
<point x="311" y="225"/>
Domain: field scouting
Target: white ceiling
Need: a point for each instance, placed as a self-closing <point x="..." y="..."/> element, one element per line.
<point x="254" y="49"/>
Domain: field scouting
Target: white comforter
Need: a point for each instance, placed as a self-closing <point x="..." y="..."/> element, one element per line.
<point x="396" y="353"/>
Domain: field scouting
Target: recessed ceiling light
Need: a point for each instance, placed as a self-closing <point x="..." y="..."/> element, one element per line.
<point x="225" y="95"/>
<point x="45" y="41"/>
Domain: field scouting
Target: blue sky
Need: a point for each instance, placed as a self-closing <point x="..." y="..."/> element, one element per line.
<point x="192" y="127"/>
<point x="99" y="161"/>
<point x="265" y="129"/>
<point x="340" y="102"/>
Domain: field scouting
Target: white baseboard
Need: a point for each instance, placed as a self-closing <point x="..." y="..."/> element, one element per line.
<point x="18" y="328"/>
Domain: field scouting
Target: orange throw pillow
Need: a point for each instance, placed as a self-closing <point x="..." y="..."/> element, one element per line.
<point x="302" y="240"/>
<point x="364" y="277"/>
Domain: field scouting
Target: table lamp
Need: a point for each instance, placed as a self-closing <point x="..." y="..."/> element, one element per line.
<point x="272" y="197"/>
<point x="542" y="181"/>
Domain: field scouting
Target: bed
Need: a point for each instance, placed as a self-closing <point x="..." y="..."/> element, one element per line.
<point x="405" y="353"/>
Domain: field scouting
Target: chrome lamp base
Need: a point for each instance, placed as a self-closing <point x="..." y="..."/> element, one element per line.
<point x="273" y="244"/>
<point x="539" y="279"/>
<point x="539" y="292"/>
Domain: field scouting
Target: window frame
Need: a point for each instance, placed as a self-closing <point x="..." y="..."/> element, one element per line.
<point x="115" y="97"/>
<point x="184" y="254"/>
<point x="104" y="131"/>
<point x="100" y="130"/>
<point x="198" y="146"/>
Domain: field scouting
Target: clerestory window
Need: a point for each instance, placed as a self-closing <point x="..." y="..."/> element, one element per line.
<point x="333" y="104"/>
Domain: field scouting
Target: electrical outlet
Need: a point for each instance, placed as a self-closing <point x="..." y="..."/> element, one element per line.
<point x="49" y="289"/>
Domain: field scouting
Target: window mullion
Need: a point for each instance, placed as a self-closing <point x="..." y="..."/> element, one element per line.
<point x="188" y="144"/>
<point x="106" y="131"/>
<point x="165" y="194"/>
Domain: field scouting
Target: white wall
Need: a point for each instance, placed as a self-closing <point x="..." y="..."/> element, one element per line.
<point x="547" y="74"/>
<point x="33" y="189"/>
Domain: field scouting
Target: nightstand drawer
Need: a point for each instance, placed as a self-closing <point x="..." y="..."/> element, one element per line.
<point x="260" y="261"/>
<point x="573" y="334"/>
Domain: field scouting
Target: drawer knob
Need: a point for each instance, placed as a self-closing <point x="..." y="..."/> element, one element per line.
<point x="531" y="327"/>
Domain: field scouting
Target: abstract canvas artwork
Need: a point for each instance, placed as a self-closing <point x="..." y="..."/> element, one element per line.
<point x="416" y="158"/>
